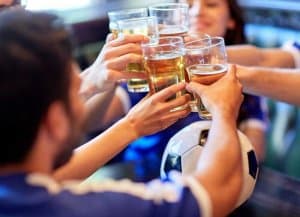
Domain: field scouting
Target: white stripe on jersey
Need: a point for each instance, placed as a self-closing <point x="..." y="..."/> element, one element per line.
<point x="155" y="190"/>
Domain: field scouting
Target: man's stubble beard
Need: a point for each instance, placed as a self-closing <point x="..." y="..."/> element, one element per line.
<point x="73" y="140"/>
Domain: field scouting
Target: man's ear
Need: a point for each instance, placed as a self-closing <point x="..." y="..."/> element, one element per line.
<point x="57" y="122"/>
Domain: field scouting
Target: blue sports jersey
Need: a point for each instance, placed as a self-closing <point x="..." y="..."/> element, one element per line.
<point x="36" y="195"/>
<point x="147" y="151"/>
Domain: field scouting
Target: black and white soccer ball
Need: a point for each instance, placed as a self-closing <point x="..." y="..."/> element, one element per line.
<point x="184" y="150"/>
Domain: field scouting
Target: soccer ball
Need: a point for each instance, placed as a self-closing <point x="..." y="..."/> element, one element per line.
<point x="184" y="150"/>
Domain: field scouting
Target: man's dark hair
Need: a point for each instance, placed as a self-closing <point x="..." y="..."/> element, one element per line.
<point x="35" y="60"/>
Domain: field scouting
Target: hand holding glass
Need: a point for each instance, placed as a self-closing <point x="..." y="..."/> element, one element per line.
<point x="192" y="56"/>
<point x="146" y="26"/>
<point x="206" y="64"/>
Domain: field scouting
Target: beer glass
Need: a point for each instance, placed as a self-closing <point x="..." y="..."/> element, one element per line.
<point x="206" y="62"/>
<point x="173" y="19"/>
<point x="194" y="36"/>
<point x="115" y="16"/>
<point x="194" y="55"/>
<point x="163" y="62"/>
<point x="148" y="27"/>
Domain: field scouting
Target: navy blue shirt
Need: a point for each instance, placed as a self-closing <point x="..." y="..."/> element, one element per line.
<point x="36" y="195"/>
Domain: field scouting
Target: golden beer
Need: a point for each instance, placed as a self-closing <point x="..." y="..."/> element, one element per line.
<point x="193" y="58"/>
<point x="114" y="33"/>
<point x="164" y="70"/>
<point x="205" y="74"/>
<point x="135" y="84"/>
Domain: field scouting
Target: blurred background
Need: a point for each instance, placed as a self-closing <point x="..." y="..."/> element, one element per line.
<point x="269" y="23"/>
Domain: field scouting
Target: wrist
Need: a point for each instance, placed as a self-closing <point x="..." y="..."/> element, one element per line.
<point x="130" y="128"/>
<point x="88" y="91"/>
<point x="94" y="81"/>
<point x="89" y="88"/>
<point x="244" y="74"/>
<point x="225" y="116"/>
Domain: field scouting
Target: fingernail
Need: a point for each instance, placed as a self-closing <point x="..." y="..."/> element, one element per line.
<point x="120" y="37"/>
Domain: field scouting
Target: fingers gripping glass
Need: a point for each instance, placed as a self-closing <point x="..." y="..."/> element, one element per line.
<point x="194" y="40"/>
<point x="146" y="26"/>
<point x="206" y="64"/>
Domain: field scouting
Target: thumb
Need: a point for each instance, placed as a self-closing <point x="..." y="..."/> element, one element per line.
<point x="231" y="71"/>
<point x="109" y="37"/>
<point x="195" y="88"/>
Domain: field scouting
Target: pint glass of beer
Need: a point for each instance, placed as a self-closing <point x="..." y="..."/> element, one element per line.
<point x="173" y="19"/>
<point x="163" y="62"/>
<point x="115" y="16"/>
<point x="206" y="62"/>
<point x="193" y="56"/>
<point x="146" y="26"/>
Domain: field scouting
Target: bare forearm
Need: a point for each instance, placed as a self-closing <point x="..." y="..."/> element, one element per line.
<point x="94" y="81"/>
<point x="249" y="55"/>
<point x="147" y="117"/>
<point x="278" y="84"/>
<point x="87" y="89"/>
<point x="257" y="138"/>
<point x="97" y="108"/>
<point x="94" y="154"/>
<point x="220" y="167"/>
<point x="246" y="55"/>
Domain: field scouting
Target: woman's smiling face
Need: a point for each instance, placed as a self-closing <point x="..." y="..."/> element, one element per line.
<point x="211" y="17"/>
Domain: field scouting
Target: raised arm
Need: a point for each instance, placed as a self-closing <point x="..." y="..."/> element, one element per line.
<point x="150" y="115"/>
<point x="100" y="79"/>
<point x="249" y="55"/>
<point x="278" y="84"/>
<point x="219" y="168"/>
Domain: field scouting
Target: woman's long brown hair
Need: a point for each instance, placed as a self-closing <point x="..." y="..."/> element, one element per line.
<point x="236" y="35"/>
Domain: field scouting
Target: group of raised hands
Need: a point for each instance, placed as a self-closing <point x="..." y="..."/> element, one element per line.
<point x="155" y="112"/>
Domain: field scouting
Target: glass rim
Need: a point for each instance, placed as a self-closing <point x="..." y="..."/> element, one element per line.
<point x="211" y="45"/>
<point x="188" y="68"/>
<point x="159" y="6"/>
<point x="201" y="36"/>
<point x="199" y="33"/>
<point x="135" y="19"/>
<point x="178" y="39"/>
<point x="126" y="11"/>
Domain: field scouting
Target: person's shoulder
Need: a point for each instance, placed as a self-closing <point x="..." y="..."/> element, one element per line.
<point x="112" y="198"/>
<point x="125" y="197"/>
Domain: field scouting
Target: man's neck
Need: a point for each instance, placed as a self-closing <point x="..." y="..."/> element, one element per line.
<point x="36" y="162"/>
<point x="24" y="168"/>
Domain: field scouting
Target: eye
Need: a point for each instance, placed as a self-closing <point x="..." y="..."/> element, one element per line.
<point x="212" y="4"/>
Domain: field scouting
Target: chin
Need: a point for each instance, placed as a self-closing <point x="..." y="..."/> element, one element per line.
<point x="198" y="29"/>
